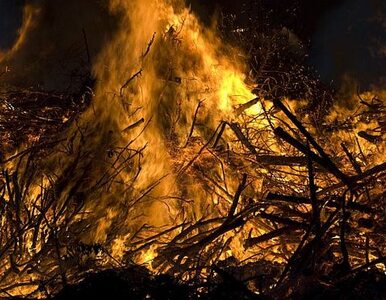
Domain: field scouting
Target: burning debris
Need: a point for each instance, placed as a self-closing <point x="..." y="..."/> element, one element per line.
<point x="167" y="171"/>
<point x="30" y="116"/>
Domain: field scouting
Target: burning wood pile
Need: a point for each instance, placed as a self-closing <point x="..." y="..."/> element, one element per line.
<point x="26" y="116"/>
<point x="174" y="176"/>
<point x="306" y="208"/>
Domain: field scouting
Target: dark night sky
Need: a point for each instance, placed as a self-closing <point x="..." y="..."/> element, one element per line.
<point x="342" y="36"/>
<point x="339" y="34"/>
<point x="351" y="39"/>
<point x="10" y="19"/>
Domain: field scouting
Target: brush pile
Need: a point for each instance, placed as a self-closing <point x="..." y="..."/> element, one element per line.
<point x="185" y="179"/>
<point x="308" y="212"/>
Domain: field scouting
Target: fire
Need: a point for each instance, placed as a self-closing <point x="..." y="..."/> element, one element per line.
<point x="233" y="91"/>
<point x="153" y="172"/>
<point x="147" y="257"/>
<point x="185" y="64"/>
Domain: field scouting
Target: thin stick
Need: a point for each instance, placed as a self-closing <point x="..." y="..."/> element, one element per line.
<point x="129" y="80"/>
<point x="194" y="122"/>
<point x="149" y="45"/>
<point x="87" y="47"/>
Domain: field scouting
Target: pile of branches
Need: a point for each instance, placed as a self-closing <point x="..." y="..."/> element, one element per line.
<point x="276" y="55"/>
<point x="309" y="212"/>
<point x="320" y="208"/>
<point x="32" y="116"/>
<point x="35" y="212"/>
<point x="323" y="215"/>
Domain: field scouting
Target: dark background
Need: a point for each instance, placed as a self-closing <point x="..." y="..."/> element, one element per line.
<point x="344" y="38"/>
<point x="10" y="20"/>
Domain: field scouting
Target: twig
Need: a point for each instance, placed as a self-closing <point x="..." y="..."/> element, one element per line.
<point x="351" y="158"/>
<point x="134" y="125"/>
<point x="281" y="160"/>
<point x="187" y="166"/>
<point x="250" y="242"/>
<point x="219" y="135"/>
<point x="193" y="122"/>
<point x="246" y="105"/>
<point x="345" y="262"/>
<point x="313" y="197"/>
<point x="236" y="198"/>
<point x="149" y="46"/>
<point x="129" y="80"/>
<point x="87" y="47"/>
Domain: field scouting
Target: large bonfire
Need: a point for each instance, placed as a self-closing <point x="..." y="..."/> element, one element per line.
<point x="173" y="156"/>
